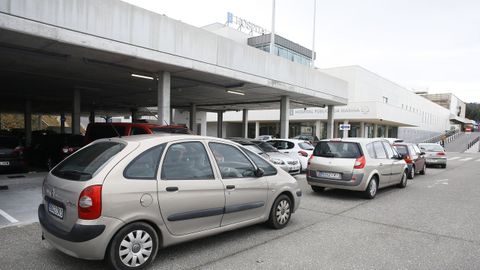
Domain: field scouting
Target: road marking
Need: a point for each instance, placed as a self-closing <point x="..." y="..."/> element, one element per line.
<point x="8" y="217"/>
<point x="478" y="160"/>
<point x="453" y="158"/>
<point x="465" y="159"/>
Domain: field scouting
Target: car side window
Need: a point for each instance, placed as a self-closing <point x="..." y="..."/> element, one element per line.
<point x="186" y="161"/>
<point x="412" y="150"/>
<point x="138" y="131"/>
<point x="388" y="148"/>
<point x="371" y="151"/>
<point x="261" y="163"/>
<point x="231" y="162"/>
<point x="417" y="150"/>
<point x="379" y="150"/>
<point x="145" y="165"/>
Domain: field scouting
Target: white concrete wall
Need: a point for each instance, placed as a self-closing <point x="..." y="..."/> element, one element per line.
<point x="183" y="117"/>
<point x="418" y="117"/>
<point x="118" y="27"/>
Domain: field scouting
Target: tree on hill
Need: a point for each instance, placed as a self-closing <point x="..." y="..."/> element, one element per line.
<point x="473" y="111"/>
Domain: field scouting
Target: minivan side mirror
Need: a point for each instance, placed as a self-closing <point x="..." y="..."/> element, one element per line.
<point x="259" y="172"/>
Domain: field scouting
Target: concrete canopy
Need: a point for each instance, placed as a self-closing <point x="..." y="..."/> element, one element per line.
<point x="44" y="57"/>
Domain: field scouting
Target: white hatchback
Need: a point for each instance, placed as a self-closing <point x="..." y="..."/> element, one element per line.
<point x="295" y="148"/>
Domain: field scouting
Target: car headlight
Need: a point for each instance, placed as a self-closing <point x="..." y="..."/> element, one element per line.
<point x="277" y="161"/>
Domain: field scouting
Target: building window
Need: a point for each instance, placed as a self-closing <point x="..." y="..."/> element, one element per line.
<point x="385" y="99"/>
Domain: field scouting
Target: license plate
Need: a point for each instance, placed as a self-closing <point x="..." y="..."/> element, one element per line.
<point x="55" y="210"/>
<point x="331" y="175"/>
<point x="4" y="163"/>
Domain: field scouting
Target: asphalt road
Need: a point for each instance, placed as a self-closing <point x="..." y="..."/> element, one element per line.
<point x="432" y="224"/>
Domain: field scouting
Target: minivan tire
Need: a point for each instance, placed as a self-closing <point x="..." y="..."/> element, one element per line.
<point x="318" y="189"/>
<point x="424" y="170"/>
<point x="113" y="252"/>
<point x="403" y="182"/>
<point x="372" y="189"/>
<point x="411" y="174"/>
<point x="280" y="213"/>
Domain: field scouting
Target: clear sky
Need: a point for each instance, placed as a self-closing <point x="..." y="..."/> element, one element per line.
<point x="429" y="45"/>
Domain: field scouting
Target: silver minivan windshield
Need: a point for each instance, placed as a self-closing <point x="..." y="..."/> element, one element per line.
<point x="82" y="165"/>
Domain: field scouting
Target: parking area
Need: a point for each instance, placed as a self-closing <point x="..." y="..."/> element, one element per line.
<point x="432" y="224"/>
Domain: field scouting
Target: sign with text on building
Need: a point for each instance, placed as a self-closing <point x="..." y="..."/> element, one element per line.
<point x="345" y="126"/>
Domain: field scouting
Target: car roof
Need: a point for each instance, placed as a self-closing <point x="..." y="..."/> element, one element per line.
<point x="357" y="140"/>
<point x="162" y="138"/>
<point x="289" y="140"/>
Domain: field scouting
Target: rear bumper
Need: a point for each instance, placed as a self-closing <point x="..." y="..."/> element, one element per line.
<point x="13" y="164"/>
<point x="436" y="161"/>
<point x="79" y="233"/>
<point x="87" y="239"/>
<point x="354" y="183"/>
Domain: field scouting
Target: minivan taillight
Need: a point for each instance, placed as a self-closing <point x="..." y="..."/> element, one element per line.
<point x="303" y="153"/>
<point x="90" y="203"/>
<point x="360" y="162"/>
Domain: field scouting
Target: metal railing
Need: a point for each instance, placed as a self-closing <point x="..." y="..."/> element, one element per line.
<point x="449" y="136"/>
<point x="472" y="143"/>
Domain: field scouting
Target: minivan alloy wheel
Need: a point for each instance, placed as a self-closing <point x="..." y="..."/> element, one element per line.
<point x="283" y="212"/>
<point x="135" y="248"/>
<point x="373" y="188"/>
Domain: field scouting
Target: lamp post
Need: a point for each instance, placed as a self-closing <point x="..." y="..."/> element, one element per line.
<point x="272" y="34"/>
<point x="314" y="21"/>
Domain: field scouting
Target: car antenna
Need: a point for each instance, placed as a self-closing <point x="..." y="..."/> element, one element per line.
<point x="116" y="131"/>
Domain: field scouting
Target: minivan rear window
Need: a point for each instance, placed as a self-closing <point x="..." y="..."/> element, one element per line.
<point x="332" y="149"/>
<point x="402" y="149"/>
<point x="82" y="165"/>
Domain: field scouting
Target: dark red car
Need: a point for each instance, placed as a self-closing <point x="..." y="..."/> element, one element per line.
<point x="414" y="158"/>
<point x="97" y="131"/>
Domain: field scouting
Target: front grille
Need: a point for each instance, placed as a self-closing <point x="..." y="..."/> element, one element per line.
<point x="293" y="162"/>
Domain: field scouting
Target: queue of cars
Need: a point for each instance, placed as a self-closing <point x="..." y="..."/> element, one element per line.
<point x="122" y="198"/>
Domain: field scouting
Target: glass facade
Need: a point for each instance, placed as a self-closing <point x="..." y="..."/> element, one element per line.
<point x="287" y="54"/>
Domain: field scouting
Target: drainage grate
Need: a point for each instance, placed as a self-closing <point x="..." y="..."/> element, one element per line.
<point x="15" y="176"/>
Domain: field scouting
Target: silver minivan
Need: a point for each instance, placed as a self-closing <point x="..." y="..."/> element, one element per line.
<point x="125" y="198"/>
<point x="356" y="164"/>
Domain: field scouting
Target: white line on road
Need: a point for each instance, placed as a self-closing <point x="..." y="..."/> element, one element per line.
<point x="453" y="158"/>
<point x="465" y="159"/>
<point x="8" y="217"/>
<point x="478" y="160"/>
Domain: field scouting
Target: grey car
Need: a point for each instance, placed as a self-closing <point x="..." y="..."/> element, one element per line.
<point x="123" y="199"/>
<point x="434" y="153"/>
<point x="356" y="164"/>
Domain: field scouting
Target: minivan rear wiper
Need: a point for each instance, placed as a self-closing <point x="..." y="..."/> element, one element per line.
<point x="75" y="173"/>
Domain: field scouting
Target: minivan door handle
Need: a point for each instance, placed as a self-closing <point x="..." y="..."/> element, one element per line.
<point x="171" y="189"/>
<point x="230" y="186"/>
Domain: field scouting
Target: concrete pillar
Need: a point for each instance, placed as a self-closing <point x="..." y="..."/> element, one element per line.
<point x="345" y="132"/>
<point x="318" y="129"/>
<point x="28" y="122"/>
<point x="245" y="123"/>
<point x="62" y="123"/>
<point x="220" y="124"/>
<point x="375" y="130"/>
<point x="193" y="118"/>
<point x="203" y="123"/>
<point x="76" y="112"/>
<point x="362" y="130"/>
<point x="91" y="117"/>
<point x="163" y="98"/>
<point x="284" y="117"/>
<point x="387" y="133"/>
<point x="257" y="129"/>
<point x="330" y="121"/>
